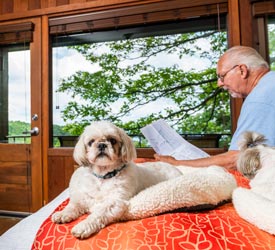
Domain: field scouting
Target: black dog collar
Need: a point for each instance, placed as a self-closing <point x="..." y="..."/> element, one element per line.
<point x="110" y="174"/>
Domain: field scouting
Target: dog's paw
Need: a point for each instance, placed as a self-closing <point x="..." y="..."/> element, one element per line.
<point x="61" y="217"/>
<point x="83" y="230"/>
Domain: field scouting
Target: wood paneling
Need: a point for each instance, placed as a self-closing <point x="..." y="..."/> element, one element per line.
<point x="15" y="9"/>
<point x="128" y="17"/>
<point x="263" y="8"/>
<point x="6" y="6"/>
<point x="15" y="197"/>
<point x="15" y="177"/>
<point x="34" y="5"/>
<point x="10" y="9"/>
<point x="15" y="173"/>
<point x="60" y="168"/>
<point x="19" y="5"/>
<point x="14" y="152"/>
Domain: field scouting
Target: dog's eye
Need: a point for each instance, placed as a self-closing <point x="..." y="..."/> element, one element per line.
<point x="112" y="141"/>
<point x="91" y="142"/>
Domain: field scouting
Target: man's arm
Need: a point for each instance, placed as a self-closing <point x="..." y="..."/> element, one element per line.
<point x="228" y="160"/>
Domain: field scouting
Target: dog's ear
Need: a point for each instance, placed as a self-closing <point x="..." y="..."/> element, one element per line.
<point x="80" y="152"/>
<point x="249" y="162"/>
<point x="128" y="150"/>
<point x="250" y="139"/>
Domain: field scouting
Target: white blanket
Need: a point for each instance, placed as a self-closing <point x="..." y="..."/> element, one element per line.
<point x="197" y="186"/>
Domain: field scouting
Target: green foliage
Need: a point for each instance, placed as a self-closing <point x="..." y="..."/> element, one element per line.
<point x="271" y="39"/>
<point x="17" y="127"/>
<point x="59" y="130"/>
<point x="128" y="81"/>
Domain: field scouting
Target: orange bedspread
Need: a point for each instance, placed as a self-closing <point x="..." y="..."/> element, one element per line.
<point x="220" y="228"/>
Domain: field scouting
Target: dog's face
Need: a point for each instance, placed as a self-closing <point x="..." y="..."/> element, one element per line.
<point x="254" y="154"/>
<point x="104" y="144"/>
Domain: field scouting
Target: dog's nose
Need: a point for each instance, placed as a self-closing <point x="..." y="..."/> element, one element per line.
<point x="101" y="146"/>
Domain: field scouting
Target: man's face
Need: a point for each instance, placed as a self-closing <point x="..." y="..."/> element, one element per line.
<point x="229" y="78"/>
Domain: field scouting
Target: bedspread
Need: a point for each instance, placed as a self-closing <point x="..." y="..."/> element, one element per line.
<point x="220" y="228"/>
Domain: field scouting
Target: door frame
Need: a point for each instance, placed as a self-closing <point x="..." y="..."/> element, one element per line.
<point x="31" y="152"/>
<point x="36" y="108"/>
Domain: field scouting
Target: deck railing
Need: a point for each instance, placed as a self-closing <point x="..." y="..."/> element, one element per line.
<point x="199" y="140"/>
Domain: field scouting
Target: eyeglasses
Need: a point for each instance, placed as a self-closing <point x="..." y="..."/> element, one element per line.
<point x="221" y="77"/>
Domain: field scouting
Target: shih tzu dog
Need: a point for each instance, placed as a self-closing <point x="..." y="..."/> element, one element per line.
<point x="107" y="178"/>
<point x="250" y="145"/>
<point x="256" y="160"/>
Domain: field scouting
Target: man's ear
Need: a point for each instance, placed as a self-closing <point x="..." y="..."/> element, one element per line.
<point x="244" y="71"/>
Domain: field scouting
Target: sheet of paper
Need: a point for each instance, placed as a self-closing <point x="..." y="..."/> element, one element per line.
<point x="156" y="140"/>
<point x="166" y="141"/>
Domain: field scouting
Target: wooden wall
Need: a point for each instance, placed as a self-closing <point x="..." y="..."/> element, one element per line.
<point x="16" y="9"/>
<point x="60" y="168"/>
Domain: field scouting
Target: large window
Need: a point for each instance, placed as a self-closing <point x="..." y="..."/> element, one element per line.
<point x="136" y="75"/>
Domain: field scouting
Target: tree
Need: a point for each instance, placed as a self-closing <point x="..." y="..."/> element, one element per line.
<point x="126" y="81"/>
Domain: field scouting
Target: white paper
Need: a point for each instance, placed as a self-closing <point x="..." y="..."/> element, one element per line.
<point x="166" y="141"/>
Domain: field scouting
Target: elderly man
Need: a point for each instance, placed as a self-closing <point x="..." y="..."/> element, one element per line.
<point x="244" y="74"/>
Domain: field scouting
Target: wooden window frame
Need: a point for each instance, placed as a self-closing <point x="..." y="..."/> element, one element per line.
<point x="16" y="33"/>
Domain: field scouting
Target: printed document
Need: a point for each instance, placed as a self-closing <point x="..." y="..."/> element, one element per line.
<point x="166" y="141"/>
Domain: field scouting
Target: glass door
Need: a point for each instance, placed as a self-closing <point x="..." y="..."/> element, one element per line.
<point x="20" y="124"/>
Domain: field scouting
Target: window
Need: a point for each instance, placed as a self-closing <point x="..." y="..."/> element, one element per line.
<point x="137" y="74"/>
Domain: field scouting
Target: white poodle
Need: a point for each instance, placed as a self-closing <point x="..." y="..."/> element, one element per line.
<point x="107" y="178"/>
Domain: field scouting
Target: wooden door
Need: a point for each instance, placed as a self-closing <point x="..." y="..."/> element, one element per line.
<point x="20" y="145"/>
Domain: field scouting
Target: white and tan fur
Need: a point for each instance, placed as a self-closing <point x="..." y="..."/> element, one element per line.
<point x="250" y="146"/>
<point x="256" y="161"/>
<point x="101" y="149"/>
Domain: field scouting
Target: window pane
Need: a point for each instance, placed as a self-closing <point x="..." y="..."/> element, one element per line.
<point x="271" y="41"/>
<point x="133" y="81"/>
<point x="15" y="94"/>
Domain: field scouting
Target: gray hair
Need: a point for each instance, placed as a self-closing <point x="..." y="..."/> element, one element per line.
<point x="246" y="55"/>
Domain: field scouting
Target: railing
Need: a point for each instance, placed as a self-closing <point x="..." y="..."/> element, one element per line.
<point x="199" y="140"/>
<point x="17" y="139"/>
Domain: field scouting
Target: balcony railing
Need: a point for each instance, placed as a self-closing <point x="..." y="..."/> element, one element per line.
<point x="199" y="140"/>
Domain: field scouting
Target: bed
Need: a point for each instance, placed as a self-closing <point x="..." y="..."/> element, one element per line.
<point x="204" y="227"/>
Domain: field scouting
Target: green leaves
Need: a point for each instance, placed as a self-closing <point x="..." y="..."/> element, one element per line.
<point x="133" y="82"/>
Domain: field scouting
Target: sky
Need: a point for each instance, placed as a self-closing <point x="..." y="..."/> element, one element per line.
<point x="19" y="86"/>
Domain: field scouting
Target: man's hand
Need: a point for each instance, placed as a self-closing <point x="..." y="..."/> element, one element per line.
<point x="166" y="158"/>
